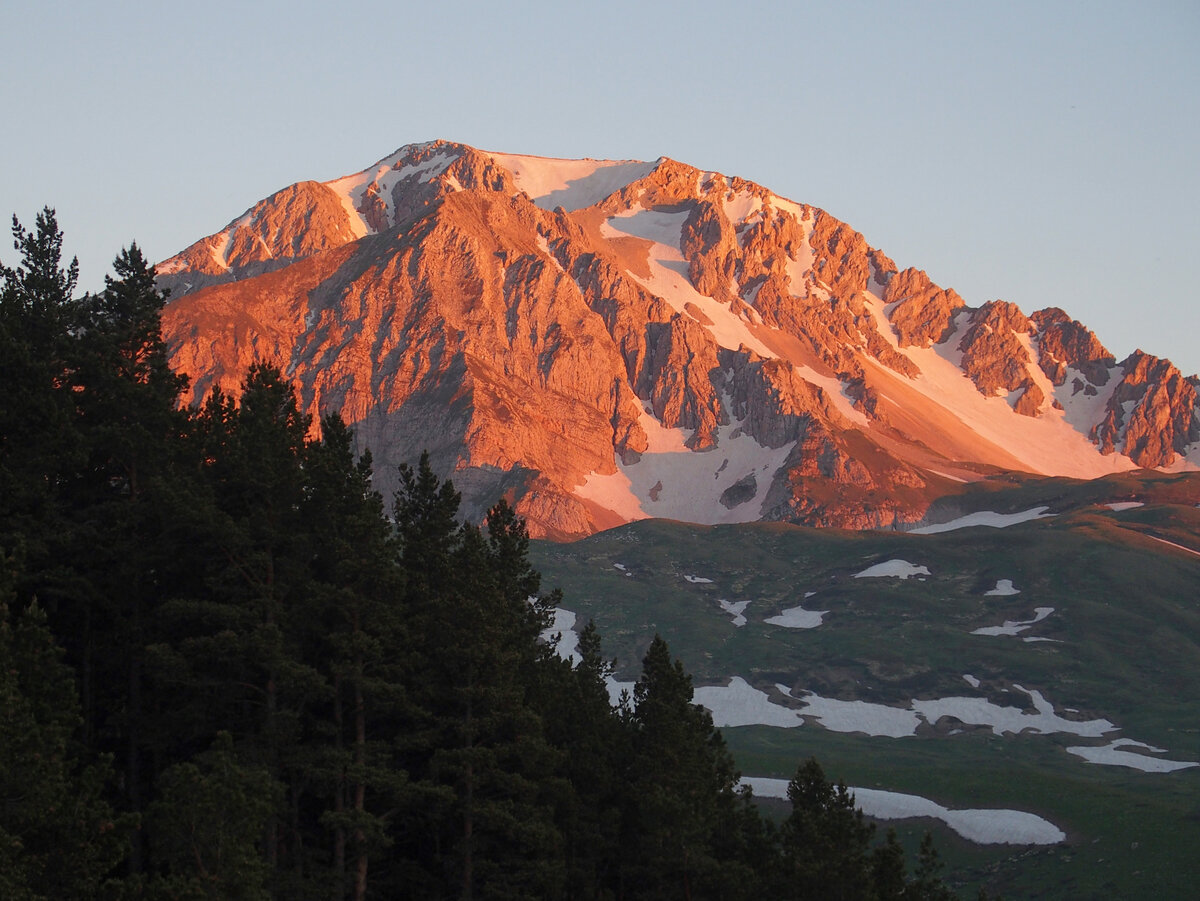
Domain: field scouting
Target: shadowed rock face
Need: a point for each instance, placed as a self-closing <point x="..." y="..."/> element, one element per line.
<point x="672" y="342"/>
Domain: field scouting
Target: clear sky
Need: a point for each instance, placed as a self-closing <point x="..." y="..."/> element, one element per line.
<point x="1046" y="153"/>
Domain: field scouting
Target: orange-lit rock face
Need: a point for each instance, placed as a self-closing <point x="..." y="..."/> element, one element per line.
<point x="602" y="341"/>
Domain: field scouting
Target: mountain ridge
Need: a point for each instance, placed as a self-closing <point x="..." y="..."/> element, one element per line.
<point x="608" y="340"/>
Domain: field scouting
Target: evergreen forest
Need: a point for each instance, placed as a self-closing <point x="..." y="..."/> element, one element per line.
<point x="230" y="669"/>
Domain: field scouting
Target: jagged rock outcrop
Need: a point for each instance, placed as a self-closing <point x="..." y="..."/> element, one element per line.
<point x="995" y="358"/>
<point x="1152" y="416"/>
<point x="601" y="341"/>
<point x="1064" y="342"/>
<point x="923" y="313"/>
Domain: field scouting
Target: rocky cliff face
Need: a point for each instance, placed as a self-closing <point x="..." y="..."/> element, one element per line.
<point x="605" y="341"/>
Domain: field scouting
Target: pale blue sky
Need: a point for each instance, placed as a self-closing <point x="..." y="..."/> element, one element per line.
<point x="1044" y="153"/>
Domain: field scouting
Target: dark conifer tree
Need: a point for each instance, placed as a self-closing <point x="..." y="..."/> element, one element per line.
<point x="681" y="782"/>
<point x="826" y="841"/>
<point x="59" y="838"/>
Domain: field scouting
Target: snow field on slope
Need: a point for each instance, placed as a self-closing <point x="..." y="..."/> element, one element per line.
<point x="669" y="274"/>
<point x="982" y="826"/>
<point x="672" y="482"/>
<point x="351" y="188"/>
<point x="1049" y="444"/>
<point x="571" y="184"/>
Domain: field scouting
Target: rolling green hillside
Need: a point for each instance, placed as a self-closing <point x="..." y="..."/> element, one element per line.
<point x="1121" y="644"/>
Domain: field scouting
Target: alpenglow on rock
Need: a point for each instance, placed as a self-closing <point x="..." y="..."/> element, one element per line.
<point x="603" y="341"/>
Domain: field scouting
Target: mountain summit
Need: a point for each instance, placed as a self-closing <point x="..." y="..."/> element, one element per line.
<point x="603" y="341"/>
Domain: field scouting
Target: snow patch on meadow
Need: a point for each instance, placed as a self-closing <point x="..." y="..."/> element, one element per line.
<point x="985" y="518"/>
<point x="899" y="569"/>
<point x="1004" y="588"/>
<point x="857" y="716"/>
<point x="1012" y="627"/>
<point x="1010" y="720"/>
<point x="740" y="704"/>
<point x="997" y="826"/>
<point x="736" y="609"/>
<point x="797" y="618"/>
<point x="1124" y="505"/>
<point x="1112" y="755"/>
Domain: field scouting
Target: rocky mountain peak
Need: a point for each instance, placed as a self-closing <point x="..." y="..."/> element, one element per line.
<point x="605" y="340"/>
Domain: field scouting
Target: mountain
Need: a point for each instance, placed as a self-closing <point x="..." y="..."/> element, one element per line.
<point x="606" y="341"/>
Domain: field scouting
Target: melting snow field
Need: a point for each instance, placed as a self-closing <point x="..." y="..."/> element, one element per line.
<point x="1013" y="628"/>
<point x="1010" y="720"/>
<point x="858" y="716"/>
<point x="1004" y="588"/>
<point x="797" y="618"/>
<point x="1112" y="755"/>
<point x="670" y="481"/>
<point x="1124" y="505"/>
<point x="985" y="827"/>
<point x="985" y="518"/>
<point x="736" y="609"/>
<point x="900" y="569"/>
<point x="740" y="704"/>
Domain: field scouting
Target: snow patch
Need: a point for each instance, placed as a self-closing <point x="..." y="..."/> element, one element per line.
<point x="1011" y="627"/>
<point x="1112" y="755"/>
<point x="384" y="175"/>
<point x="858" y="716"/>
<point x="1004" y="588"/>
<point x="985" y="518"/>
<point x="797" y="618"/>
<point x="971" y="680"/>
<point x="697" y="580"/>
<point x="671" y="481"/>
<point x="1124" y="505"/>
<point x="740" y="704"/>
<point x="736" y="609"/>
<point x="899" y="569"/>
<point x="993" y="826"/>
<point x="1011" y="720"/>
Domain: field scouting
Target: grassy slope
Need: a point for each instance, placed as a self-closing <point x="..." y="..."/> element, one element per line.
<point x="1126" y="621"/>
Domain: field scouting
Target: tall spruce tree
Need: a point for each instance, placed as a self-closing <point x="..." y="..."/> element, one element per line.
<point x="59" y="838"/>
<point x="681" y="780"/>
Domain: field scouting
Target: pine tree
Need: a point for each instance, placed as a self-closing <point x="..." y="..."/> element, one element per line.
<point x="681" y="780"/>
<point x="207" y="825"/>
<point x="360" y="635"/>
<point x="826" y="841"/>
<point x="481" y="737"/>
<point x="38" y="438"/>
<point x="59" y="839"/>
